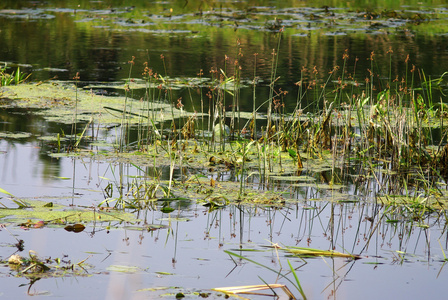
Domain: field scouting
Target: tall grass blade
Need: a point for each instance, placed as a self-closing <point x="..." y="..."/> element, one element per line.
<point x="299" y="286"/>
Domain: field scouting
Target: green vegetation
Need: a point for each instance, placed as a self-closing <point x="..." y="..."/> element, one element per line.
<point x="380" y="133"/>
<point x="36" y="268"/>
<point x="344" y="137"/>
<point x="16" y="77"/>
<point x="381" y="127"/>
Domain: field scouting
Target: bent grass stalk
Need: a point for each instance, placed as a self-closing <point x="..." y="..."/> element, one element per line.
<point x="295" y="284"/>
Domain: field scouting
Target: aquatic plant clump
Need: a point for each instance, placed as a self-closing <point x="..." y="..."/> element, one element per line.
<point x="347" y="157"/>
<point x="382" y="129"/>
<point x="13" y="78"/>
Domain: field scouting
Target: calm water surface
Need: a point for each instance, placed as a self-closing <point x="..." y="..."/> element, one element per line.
<point x="98" y="38"/>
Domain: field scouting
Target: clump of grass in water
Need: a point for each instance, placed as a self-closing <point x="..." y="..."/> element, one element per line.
<point x="377" y="126"/>
<point x="16" y="77"/>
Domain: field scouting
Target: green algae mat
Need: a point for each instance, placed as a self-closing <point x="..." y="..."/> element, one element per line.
<point x="63" y="103"/>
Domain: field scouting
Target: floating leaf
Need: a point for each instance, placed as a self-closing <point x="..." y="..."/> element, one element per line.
<point x="167" y="209"/>
<point x="88" y="105"/>
<point x="36" y="210"/>
<point x="123" y="269"/>
<point x="175" y="219"/>
<point x="165" y="273"/>
<point x="15" y="135"/>
<point x="39" y="224"/>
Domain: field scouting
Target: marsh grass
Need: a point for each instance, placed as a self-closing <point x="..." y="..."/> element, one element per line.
<point x="279" y="273"/>
<point x="16" y="77"/>
<point x="380" y="127"/>
<point x="376" y="137"/>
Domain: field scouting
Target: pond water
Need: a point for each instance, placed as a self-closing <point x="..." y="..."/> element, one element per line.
<point x="180" y="243"/>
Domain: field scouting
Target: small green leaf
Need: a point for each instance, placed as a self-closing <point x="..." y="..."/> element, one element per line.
<point x="5" y="192"/>
<point x="167" y="209"/>
<point x="292" y="153"/>
<point x="392" y="221"/>
<point x="164" y="273"/>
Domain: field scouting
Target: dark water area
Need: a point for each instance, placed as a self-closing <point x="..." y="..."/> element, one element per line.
<point x="178" y="244"/>
<point x="98" y="39"/>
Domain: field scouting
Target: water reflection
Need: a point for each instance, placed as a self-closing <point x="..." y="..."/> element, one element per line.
<point x="69" y="43"/>
<point x="178" y="239"/>
<point x="190" y="246"/>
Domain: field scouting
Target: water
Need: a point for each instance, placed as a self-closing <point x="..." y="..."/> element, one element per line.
<point x="97" y="39"/>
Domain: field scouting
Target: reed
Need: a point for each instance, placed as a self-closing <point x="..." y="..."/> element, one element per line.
<point x="75" y="120"/>
<point x="379" y="125"/>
